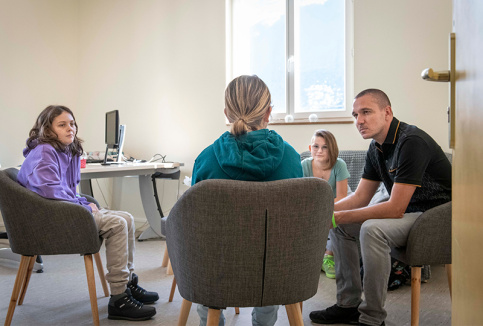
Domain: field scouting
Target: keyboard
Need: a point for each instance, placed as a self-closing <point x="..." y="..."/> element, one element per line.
<point x="97" y="161"/>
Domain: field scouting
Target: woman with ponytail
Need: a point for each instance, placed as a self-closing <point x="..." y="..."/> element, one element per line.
<point x="249" y="152"/>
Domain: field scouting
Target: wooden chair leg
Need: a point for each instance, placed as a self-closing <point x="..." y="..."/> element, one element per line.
<point x="184" y="313"/>
<point x="102" y="275"/>
<point x="213" y="317"/>
<point x="91" y="284"/>
<point x="27" y="280"/>
<point x="169" y="270"/>
<point x="450" y="275"/>
<point x="165" y="257"/>
<point x="415" y="293"/>
<point x="19" y="281"/>
<point x="173" y="288"/>
<point x="237" y="310"/>
<point x="294" y="314"/>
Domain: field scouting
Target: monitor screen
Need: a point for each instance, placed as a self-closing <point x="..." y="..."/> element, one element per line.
<point x="112" y="128"/>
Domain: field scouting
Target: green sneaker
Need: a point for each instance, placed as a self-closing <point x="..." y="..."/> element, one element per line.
<point x="328" y="266"/>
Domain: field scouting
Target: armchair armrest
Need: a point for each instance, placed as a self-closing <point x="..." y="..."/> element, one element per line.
<point x="50" y="226"/>
<point x="429" y="241"/>
<point x="44" y="226"/>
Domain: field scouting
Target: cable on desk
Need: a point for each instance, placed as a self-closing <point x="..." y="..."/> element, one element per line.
<point x="154" y="159"/>
<point x="177" y="196"/>
<point x="156" y="196"/>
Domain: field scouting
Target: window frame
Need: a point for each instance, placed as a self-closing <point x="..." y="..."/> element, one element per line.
<point x="339" y="116"/>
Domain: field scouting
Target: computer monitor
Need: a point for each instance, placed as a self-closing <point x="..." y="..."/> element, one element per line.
<point x="114" y="136"/>
<point x="112" y="128"/>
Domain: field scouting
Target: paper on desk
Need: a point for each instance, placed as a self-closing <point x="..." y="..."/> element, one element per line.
<point x="187" y="181"/>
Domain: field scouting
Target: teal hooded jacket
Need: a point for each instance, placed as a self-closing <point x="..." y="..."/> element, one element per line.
<point x="260" y="155"/>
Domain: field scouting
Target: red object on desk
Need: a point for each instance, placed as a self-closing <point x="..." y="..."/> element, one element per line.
<point x="83" y="163"/>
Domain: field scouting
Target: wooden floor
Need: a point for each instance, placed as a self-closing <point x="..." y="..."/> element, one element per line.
<point x="59" y="296"/>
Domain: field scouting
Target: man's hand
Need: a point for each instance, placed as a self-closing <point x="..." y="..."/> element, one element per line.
<point x="94" y="207"/>
<point x="336" y="219"/>
<point x="339" y="218"/>
<point x="395" y="207"/>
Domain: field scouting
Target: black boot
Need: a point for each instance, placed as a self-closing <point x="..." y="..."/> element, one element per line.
<point x="139" y="293"/>
<point x="336" y="315"/>
<point x="129" y="308"/>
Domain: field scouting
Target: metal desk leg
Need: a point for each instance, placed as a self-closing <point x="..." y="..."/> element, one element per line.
<point x="85" y="187"/>
<point x="149" y="205"/>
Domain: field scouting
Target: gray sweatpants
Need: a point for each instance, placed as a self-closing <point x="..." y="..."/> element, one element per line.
<point x="117" y="229"/>
<point x="376" y="236"/>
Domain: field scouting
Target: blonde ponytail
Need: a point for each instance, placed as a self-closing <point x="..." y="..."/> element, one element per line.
<point x="247" y="100"/>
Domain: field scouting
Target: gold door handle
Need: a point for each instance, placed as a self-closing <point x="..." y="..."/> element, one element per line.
<point x="447" y="76"/>
<point x="438" y="76"/>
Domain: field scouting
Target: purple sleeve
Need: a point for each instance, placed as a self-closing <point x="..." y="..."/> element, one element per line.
<point x="46" y="178"/>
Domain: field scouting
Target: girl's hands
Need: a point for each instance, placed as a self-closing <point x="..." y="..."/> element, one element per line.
<point x="94" y="207"/>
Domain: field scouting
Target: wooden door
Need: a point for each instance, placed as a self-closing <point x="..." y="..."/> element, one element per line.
<point x="467" y="248"/>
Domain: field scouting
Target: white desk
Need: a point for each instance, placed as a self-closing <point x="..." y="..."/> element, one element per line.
<point x="144" y="171"/>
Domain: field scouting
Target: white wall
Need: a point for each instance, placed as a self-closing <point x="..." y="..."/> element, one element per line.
<point x="162" y="64"/>
<point x="38" y="66"/>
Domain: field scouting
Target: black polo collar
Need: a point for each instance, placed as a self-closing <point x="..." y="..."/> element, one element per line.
<point x="391" y="134"/>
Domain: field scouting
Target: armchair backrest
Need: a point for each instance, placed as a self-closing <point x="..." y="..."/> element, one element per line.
<point x="40" y="226"/>
<point x="355" y="161"/>
<point x="244" y="244"/>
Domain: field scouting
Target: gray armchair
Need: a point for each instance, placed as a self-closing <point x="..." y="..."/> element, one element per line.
<point x="248" y="244"/>
<point x="7" y="254"/>
<point x="429" y="242"/>
<point x="39" y="226"/>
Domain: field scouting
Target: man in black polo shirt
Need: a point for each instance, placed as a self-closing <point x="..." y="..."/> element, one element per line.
<point x="416" y="174"/>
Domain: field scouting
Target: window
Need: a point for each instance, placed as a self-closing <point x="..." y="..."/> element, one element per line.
<point x="302" y="49"/>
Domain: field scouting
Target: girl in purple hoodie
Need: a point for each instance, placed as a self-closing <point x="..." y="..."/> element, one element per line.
<point x="52" y="170"/>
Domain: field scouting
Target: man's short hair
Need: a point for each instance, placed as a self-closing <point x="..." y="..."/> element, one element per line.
<point x="381" y="98"/>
